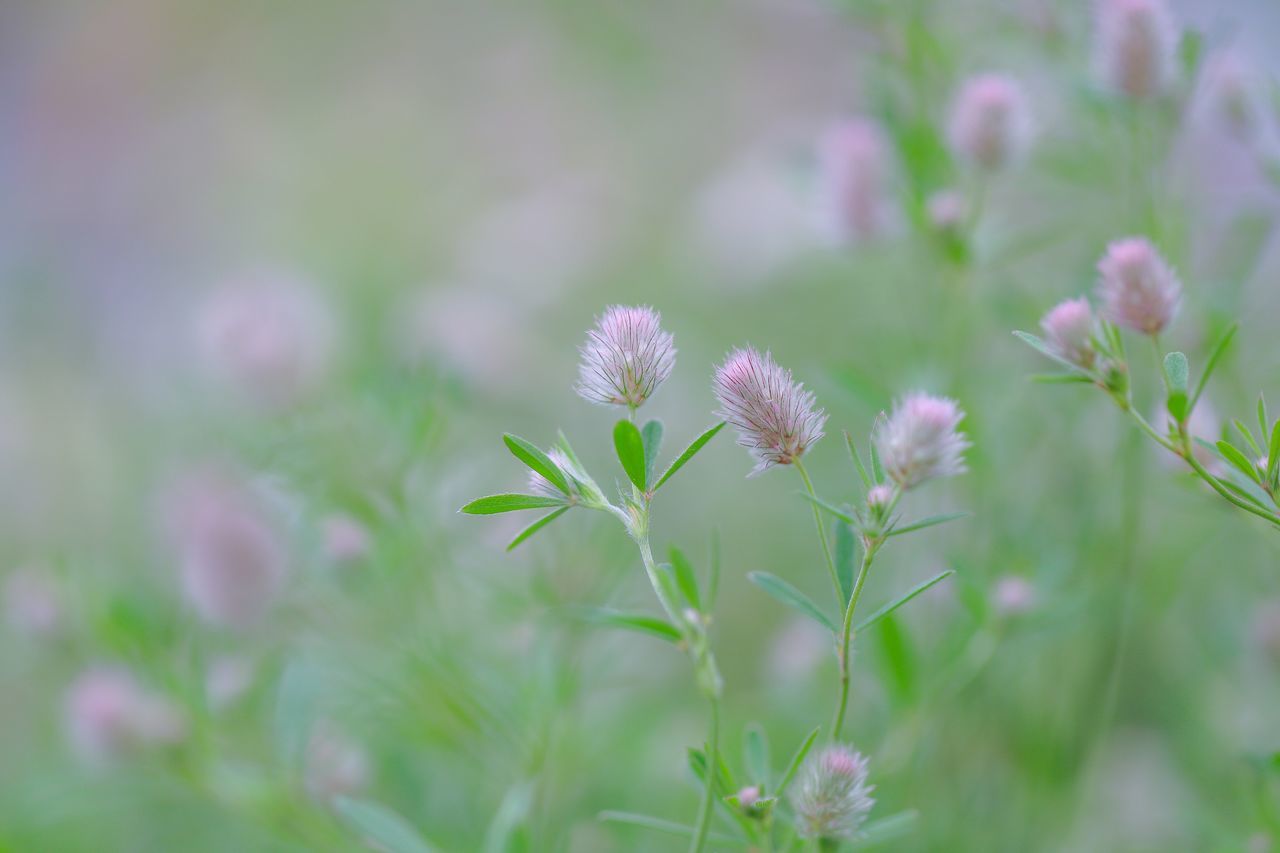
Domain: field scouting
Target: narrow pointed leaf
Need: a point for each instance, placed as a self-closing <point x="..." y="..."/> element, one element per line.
<point x="640" y="622"/>
<point x="1263" y="423"/>
<point x="1047" y="351"/>
<point x="685" y="577"/>
<point x="651" y="434"/>
<point x="931" y="521"/>
<point x="1247" y="435"/>
<point x="379" y="824"/>
<point x="1218" y="351"/>
<point x="1061" y="379"/>
<point x="1238" y="460"/>
<point x="857" y="460"/>
<point x="536" y="526"/>
<point x="630" y="447"/>
<point x="846" y="554"/>
<point x="494" y="504"/>
<point x="755" y="755"/>
<point x="792" y="597"/>
<point x="662" y="825"/>
<point x="688" y="453"/>
<point x="829" y="508"/>
<point x="886" y="829"/>
<point x="877" y="469"/>
<point x="903" y="599"/>
<point x="1273" y="452"/>
<point x="793" y="766"/>
<point x="530" y="455"/>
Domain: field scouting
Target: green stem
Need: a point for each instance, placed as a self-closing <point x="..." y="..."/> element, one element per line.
<point x="846" y="637"/>
<point x="699" y="840"/>
<point x="822" y="530"/>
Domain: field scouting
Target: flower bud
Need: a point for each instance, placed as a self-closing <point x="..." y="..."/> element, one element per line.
<point x="776" y="418"/>
<point x="990" y="125"/>
<point x="1068" y="329"/>
<point x="947" y="211"/>
<point x="1013" y="595"/>
<point x="1137" y="288"/>
<point x="833" y="798"/>
<point x="626" y="357"/>
<point x="920" y="440"/>
<point x="345" y="539"/>
<point x="1135" y="46"/>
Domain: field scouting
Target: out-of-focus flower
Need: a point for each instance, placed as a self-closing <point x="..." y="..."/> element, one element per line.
<point x="108" y="714"/>
<point x="1137" y="288"/>
<point x="1013" y="595"/>
<point x="33" y="605"/>
<point x="833" y="798"/>
<point x="345" y="539"/>
<point x="776" y="418"/>
<point x="797" y="649"/>
<point x="748" y="797"/>
<point x="990" y="123"/>
<point x="626" y="357"/>
<point x="335" y="765"/>
<point x="268" y="335"/>
<point x="1068" y="329"/>
<point x="1135" y="46"/>
<point x="855" y="171"/>
<point x="233" y="563"/>
<point x="947" y="211"/>
<point x="1229" y="88"/>
<point x="879" y="496"/>
<point x="227" y="680"/>
<point x="920" y="441"/>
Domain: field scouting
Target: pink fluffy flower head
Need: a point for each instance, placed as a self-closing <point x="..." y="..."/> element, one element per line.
<point x="833" y="798"/>
<point x="1068" y="329"/>
<point x="775" y="416"/>
<point x="1135" y="46"/>
<point x="920" y="440"/>
<point x="108" y="714"/>
<point x="990" y="123"/>
<point x="855" y="165"/>
<point x="626" y="357"/>
<point x="1137" y="288"/>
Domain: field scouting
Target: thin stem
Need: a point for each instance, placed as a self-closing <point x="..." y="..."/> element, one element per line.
<point x="709" y="792"/>
<point x="1190" y="456"/>
<point x="822" y="530"/>
<point x="846" y="637"/>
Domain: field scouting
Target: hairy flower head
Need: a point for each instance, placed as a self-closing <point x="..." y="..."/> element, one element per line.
<point x="1068" y="329"/>
<point x="833" y="798"/>
<point x="990" y="123"/>
<point x="1135" y="46"/>
<point x="1137" y="288"/>
<point x="855" y="168"/>
<point x="626" y="357"/>
<point x="920" y="440"/>
<point x="775" y="416"/>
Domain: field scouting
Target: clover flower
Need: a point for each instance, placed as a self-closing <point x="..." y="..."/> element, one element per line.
<point x="626" y="357"/>
<point x="833" y="798"/>
<point x="1137" y="288"/>
<point x="776" y="418"/>
<point x="1135" y="46"/>
<point x="920" y="441"/>
<point x="990" y="124"/>
<point x="1068" y="329"/>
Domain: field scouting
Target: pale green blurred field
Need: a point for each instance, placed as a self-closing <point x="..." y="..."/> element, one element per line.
<point x="469" y="185"/>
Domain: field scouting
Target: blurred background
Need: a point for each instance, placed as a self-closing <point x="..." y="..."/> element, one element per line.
<point x="275" y="278"/>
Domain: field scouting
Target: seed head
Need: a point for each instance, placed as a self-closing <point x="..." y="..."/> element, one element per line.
<point x="833" y="797"/>
<point x="1137" y="288"/>
<point x="920" y="441"/>
<point x="1068" y="329"/>
<point x="626" y="357"/>
<point x="775" y="416"/>
<point x="990" y="124"/>
<point x="1135" y="46"/>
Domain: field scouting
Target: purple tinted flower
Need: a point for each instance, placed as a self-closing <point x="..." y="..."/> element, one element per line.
<point x="626" y="357"/>
<point x="774" y="415"/>
<point x="990" y="124"/>
<point x="1068" y="329"/>
<point x="1137" y="288"/>
<point x="920" y="441"/>
<point x="833" y="798"/>
<point x="855" y="166"/>
<point x="1135" y="46"/>
<point x="108" y="714"/>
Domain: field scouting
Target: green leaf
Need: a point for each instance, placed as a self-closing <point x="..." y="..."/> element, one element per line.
<point x="790" y="596"/>
<point x="857" y="460"/>
<point x="660" y="825"/>
<point x="793" y="766"/>
<point x="1047" y="351"/>
<point x="651" y="435"/>
<point x="1178" y="406"/>
<point x="643" y="623"/>
<point x="1212" y="363"/>
<point x="902" y="599"/>
<point x="828" y="508"/>
<point x="931" y="521"/>
<point x="685" y="577"/>
<point x="1231" y="454"/>
<point x="897" y="656"/>
<point x="537" y="460"/>
<point x="846" y="553"/>
<point x="296" y="700"/>
<point x="724" y="784"/>
<point x="494" y="504"/>
<point x="688" y="454"/>
<point x="886" y="829"/>
<point x="1247" y="435"/>
<point x="1273" y="452"/>
<point x="1176" y="371"/>
<point x="1264" y="425"/>
<point x="381" y="825"/>
<point x="511" y="814"/>
<point x="1061" y="379"/>
<point x="536" y="526"/>
<point x="630" y="447"/>
<point x="755" y="755"/>
<point x="877" y="469"/>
